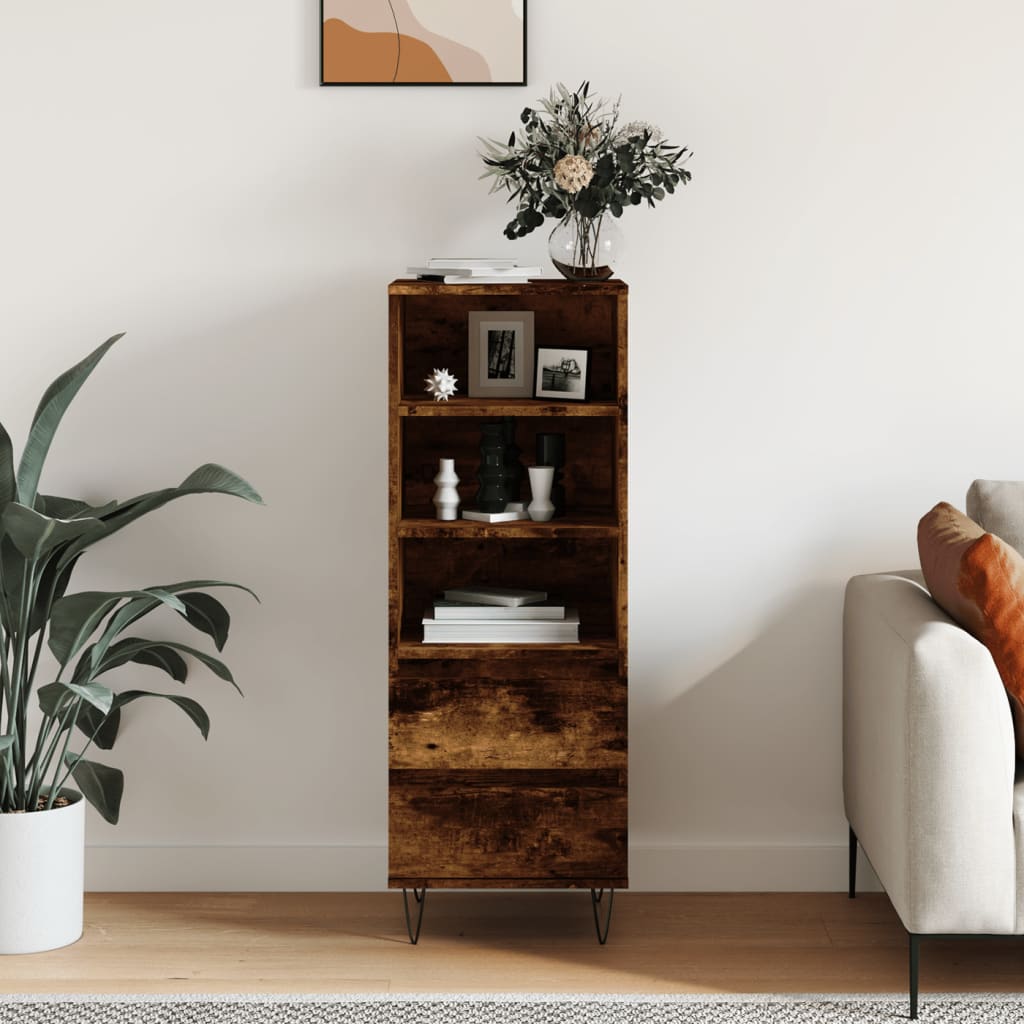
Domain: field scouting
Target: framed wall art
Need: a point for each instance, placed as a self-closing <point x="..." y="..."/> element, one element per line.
<point x="501" y="354"/>
<point x="423" y="42"/>
<point x="563" y="374"/>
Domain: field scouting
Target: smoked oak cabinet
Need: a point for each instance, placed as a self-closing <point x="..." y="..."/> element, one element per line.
<point x="507" y="763"/>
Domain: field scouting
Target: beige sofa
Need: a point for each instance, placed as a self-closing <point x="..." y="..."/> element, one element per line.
<point x="930" y="778"/>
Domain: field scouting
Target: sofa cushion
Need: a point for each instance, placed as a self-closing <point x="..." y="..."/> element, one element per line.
<point x="978" y="579"/>
<point x="998" y="507"/>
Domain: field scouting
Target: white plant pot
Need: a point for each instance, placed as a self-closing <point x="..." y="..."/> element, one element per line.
<point x="42" y="863"/>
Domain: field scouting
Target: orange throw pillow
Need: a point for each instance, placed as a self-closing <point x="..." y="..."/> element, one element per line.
<point x="978" y="580"/>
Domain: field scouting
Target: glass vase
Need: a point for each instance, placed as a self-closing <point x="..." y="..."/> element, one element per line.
<point x="585" y="248"/>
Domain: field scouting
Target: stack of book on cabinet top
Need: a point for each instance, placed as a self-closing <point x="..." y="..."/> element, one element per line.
<point x="500" y="615"/>
<point x="453" y="270"/>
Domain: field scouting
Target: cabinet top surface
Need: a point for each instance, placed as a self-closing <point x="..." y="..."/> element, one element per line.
<point x="534" y="287"/>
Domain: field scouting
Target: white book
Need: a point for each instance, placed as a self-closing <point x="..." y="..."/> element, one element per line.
<point x="493" y="517"/>
<point x="478" y="271"/>
<point x="445" y="262"/>
<point x="504" y="279"/>
<point x="564" y="631"/>
<point x="509" y="596"/>
<point x="457" y="611"/>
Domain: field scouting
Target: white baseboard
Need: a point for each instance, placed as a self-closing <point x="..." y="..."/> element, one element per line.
<point x="652" y="868"/>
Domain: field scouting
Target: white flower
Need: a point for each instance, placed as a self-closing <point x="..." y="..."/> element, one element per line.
<point x="637" y="130"/>
<point x="573" y="173"/>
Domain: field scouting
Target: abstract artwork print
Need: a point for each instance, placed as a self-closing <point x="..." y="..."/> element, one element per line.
<point x="423" y="42"/>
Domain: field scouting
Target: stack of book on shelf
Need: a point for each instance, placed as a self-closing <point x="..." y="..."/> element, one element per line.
<point x="500" y="615"/>
<point x="452" y="270"/>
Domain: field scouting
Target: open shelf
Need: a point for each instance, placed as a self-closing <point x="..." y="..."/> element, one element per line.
<point x="572" y="526"/>
<point x="413" y="647"/>
<point x="485" y="407"/>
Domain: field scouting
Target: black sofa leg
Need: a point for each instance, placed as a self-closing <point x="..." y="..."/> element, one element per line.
<point x="853" y="863"/>
<point x="915" y="951"/>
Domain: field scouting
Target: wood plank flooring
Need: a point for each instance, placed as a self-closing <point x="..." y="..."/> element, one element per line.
<point x="503" y="942"/>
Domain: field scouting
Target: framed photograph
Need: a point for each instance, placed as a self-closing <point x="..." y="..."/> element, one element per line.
<point x="562" y="374"/>
<point x="501" y="354"/>
<point x="423" y="42"/>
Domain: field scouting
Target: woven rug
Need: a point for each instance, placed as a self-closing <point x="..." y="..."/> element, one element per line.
<point x="938" y="1008"/>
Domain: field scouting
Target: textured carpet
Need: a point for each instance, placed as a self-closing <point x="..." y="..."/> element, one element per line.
<point x="939" y="1008"/>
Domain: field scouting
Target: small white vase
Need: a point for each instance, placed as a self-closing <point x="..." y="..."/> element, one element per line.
<point x="42" y="859"/>
<point x="446" y="497"/>
<point x="541" y="507"/>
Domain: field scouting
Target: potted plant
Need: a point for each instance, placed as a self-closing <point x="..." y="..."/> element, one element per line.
<point x="49" y="723"/>
<point x="572" y="161"/>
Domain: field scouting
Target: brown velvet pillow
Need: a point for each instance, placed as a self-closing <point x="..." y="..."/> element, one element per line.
<point x="978" y="580"/>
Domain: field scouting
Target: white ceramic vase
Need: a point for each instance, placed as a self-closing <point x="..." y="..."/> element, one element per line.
<point x="42" y="859"/>
<point x="541" y="507"/>
<point x="446" y="497"/>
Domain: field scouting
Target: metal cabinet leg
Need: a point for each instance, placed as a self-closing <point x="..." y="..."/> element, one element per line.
<point x="421" y="899"/>
<point x="596" y="897"/>
<point x="915" y="952"/>
<point x="853" y="863"/>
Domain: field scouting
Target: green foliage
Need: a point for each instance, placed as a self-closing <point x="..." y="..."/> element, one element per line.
<point x="630" y="164"/>
<point x="42" y="538"/>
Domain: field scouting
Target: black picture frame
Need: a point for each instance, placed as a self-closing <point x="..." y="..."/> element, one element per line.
<point x="395" y="84"/>
<point x="548" y="381"/>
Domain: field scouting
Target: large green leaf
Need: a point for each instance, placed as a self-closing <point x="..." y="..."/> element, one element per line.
<point x="52" y="585"/>
<point x="34" y="534"/>
<point x="53" y="697"/>
<point x="208" y="615"/>
<point x="76" y="617"/>
<point x="8" y="483"/>
<point x="192" y="708"/>
<point x="128" y="649"/>
<point x="70" y="508"/>
<point x="100" y="784"/>
<point x="54" y="403"/>
<point x="156" y="654"/>
<point x="207" y="479"/>
<point x="101" y="729"/>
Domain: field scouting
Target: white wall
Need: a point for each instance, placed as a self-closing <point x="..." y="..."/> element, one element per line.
<point x="825" y="333"/>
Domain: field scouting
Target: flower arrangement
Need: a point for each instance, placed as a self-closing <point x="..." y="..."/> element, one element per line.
<point x="572" y="161"/>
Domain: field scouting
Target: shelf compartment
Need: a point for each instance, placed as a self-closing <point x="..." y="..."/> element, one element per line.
<point x="507" y="825"/>
<point x="487" y="722"/>
<point x="435" y="332"/>
<point x="589" y="475"/>
<point x="582" y="572"/>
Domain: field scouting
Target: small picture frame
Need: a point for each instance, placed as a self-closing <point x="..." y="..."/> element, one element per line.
<point x="501" y="354"/>
<point x="562" y="374"/>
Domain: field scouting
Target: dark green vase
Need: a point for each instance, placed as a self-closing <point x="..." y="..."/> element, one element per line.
<point x="493" y="474"/>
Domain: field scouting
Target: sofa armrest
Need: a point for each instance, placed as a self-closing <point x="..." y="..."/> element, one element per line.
<point x="928" y="759"/>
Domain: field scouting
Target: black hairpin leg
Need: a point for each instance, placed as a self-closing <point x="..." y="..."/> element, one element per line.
<point x="853" y="863"/>
<point x="596" y="897"/>
<point x="915" y="952"/>
<point x="421" y="899"/>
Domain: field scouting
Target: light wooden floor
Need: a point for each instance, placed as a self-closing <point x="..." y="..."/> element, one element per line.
<point x="503" y="942"/>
